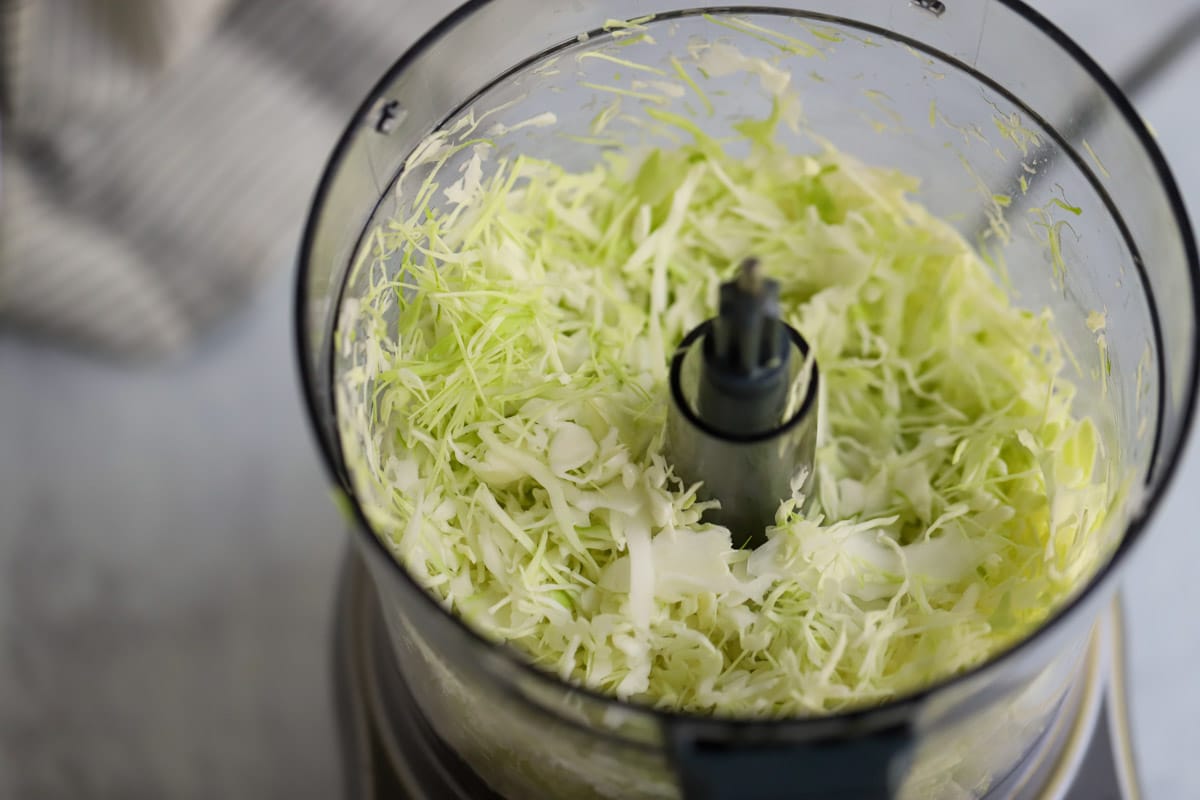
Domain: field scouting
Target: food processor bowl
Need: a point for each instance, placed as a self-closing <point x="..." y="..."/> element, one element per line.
<point x="1019" y="141"/>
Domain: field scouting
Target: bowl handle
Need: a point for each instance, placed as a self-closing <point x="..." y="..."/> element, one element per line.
<point x="735" y="762"/>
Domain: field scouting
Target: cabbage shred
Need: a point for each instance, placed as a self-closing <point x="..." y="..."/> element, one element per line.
<point x="510" y="398"/>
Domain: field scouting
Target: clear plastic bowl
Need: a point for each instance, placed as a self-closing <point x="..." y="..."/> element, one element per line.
<point x="980" y="100"/>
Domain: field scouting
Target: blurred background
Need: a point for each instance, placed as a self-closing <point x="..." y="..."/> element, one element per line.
<point x="168" y="546"/>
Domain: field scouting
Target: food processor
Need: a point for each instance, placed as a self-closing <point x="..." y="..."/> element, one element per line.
<point x="1019" y="141"/>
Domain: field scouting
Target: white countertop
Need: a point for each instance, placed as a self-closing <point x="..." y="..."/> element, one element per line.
<point x="168" y="550"/>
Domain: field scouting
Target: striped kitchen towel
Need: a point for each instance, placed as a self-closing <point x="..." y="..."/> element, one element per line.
<point x="159" y="155"/>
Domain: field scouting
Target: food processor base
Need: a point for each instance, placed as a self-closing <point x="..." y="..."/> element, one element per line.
<point x="391" y="753"/>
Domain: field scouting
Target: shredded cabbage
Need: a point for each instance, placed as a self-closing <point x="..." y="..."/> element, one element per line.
<point x="510" y="383"/>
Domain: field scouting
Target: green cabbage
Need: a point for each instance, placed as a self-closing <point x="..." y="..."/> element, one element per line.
<point x="512" y="353"/>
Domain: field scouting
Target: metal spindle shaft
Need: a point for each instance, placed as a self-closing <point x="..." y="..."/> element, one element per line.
<point x="730" y="427"/>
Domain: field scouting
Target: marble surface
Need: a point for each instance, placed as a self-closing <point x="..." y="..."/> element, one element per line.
<point x="168" y="550"/>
